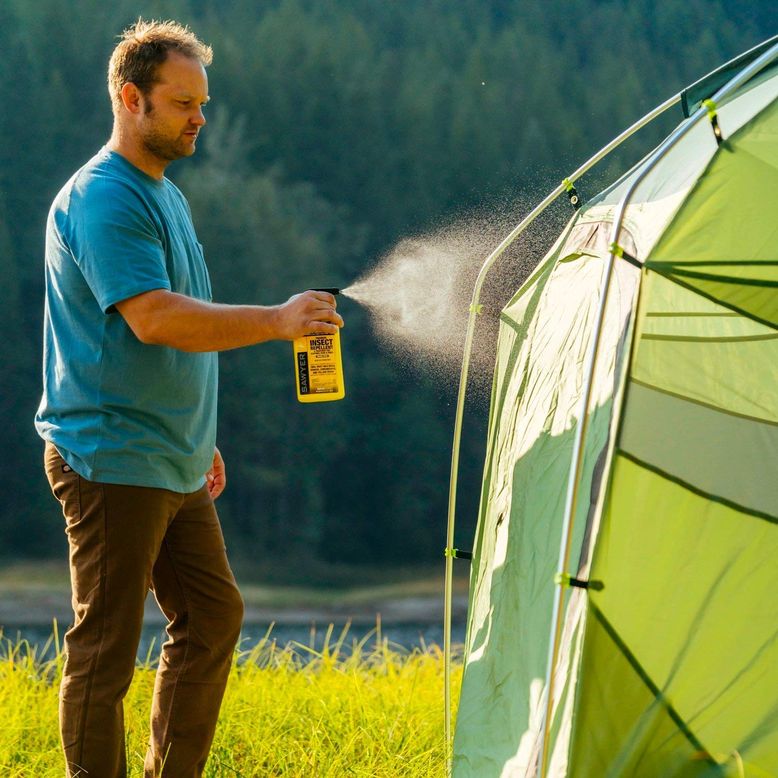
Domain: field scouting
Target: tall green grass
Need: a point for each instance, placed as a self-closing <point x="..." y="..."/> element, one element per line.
<point x="362" y="708"/>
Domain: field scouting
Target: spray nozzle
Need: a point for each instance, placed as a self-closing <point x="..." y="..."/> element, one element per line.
<point x="330" y="289"/>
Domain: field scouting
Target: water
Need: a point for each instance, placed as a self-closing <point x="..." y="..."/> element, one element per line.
<point x="401" y="636"/>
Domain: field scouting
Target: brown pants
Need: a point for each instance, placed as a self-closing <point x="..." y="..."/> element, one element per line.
<point x="125" y="540"/>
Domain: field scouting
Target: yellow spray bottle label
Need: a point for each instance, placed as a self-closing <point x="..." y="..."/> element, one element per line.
<point x="319" y="368"/>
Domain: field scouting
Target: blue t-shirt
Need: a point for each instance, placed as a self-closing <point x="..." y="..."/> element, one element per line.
<point x="118" y="410"/>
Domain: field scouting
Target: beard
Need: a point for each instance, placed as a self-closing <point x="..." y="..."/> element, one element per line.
<point x="164" y="147"/>
<point x="160" y="143"/>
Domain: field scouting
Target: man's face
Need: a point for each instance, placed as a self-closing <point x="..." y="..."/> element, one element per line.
<point x="172" y="112"/>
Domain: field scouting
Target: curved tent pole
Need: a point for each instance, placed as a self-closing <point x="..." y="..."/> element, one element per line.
<point x="577" y="460"/>
<point x="468" y="345"/>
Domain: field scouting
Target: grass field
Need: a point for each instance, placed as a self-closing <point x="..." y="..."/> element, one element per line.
<point x="352" y="709"/>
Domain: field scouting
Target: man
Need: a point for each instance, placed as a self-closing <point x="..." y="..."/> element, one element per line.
<point x="129" y="416"/>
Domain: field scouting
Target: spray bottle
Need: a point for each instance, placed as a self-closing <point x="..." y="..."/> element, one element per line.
<point x="319" y="366"/>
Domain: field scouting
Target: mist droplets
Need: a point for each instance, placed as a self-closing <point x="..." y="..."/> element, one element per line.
<point x="419" y="293"/>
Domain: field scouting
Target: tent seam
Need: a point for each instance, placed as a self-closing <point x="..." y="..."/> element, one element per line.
<point x="649" y="683"/>
<point x="717" y="300"/>
<point x="713" y="277"/>
<point x="710" y="406"/>
<point x="703" y="339"/>
<point x="696" y="490"/>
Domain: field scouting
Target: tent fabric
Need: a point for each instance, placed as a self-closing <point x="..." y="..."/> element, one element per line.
<point x="687" y="552"/>
<point x="736" y="267"/>
<point x="543" y="341"/>
<point x="665" y="188"/>
<point x="671" y="667"/>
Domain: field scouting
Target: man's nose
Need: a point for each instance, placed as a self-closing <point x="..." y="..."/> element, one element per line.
<point x="198" y="119"/>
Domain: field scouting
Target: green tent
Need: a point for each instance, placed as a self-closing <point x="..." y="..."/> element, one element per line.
<point x="623" y="616"/>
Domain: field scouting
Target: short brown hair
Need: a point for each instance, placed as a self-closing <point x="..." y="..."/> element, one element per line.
<point x="144" y="47"/>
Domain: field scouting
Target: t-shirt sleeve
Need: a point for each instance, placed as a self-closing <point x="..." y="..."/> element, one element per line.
<point x="117" y="246"/>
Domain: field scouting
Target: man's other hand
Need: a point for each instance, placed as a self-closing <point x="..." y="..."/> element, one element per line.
<point x="216" y="477"/>
<point x="307" y="313"/>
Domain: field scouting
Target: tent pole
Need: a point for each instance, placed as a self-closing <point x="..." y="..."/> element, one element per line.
<point x="576" y="465"/>
<point x="463" y="377"/>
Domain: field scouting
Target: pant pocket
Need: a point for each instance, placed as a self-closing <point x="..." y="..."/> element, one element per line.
<point x="63" y="480"/>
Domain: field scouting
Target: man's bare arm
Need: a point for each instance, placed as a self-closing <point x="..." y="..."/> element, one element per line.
<point x="165" y="318"/>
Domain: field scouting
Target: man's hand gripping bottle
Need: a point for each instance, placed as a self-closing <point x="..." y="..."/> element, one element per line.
<point x="319" y="366"/>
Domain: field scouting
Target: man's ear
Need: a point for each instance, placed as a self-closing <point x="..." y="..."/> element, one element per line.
<point x="131" y="97"/>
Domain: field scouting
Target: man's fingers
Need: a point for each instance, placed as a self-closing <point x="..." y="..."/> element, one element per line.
<point x="321" y="315"/>
<point x="216" y="485"/>
<point x="322" y="328"/>
<point x="310" y="313"/>
<point x="329" y="320"/>
<point x="324" y="297"/>
<point x="317" y="304"/>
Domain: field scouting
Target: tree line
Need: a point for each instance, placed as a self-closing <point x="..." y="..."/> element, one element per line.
<point x="336" y="128"/>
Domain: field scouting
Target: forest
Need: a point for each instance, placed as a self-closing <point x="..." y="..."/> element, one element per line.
<point x="336" y="129"/>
